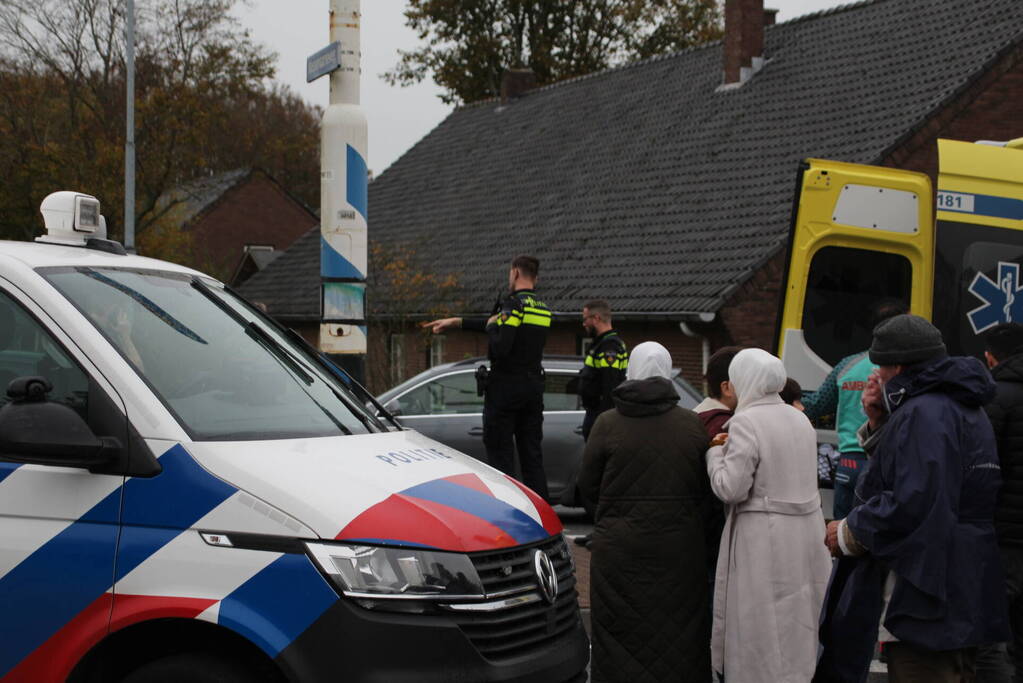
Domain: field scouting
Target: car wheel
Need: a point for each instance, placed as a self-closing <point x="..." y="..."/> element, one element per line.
<point x="196" y="667"/>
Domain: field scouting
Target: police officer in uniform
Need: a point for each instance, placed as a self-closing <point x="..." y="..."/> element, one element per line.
<point x="513" y="399"/>
<point x="605" y="365"/>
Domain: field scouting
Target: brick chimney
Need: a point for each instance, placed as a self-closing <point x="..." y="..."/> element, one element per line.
<point x="744" y="38"/>
<point x="515" y="83"/>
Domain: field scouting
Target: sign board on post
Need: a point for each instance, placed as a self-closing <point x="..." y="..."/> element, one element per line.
<point x="323" y="62"/>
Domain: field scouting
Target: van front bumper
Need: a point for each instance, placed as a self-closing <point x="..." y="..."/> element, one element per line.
<point x="350" y="643"/>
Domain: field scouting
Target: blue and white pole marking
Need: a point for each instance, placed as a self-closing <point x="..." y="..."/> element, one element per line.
<point x="343" y="194"/>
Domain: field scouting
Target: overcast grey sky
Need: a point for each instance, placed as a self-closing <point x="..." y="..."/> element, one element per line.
<point x="398" y="117"/>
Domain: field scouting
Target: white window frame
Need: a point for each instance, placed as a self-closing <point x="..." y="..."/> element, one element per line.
<point x="396" y="357"/>
<point x="436" y="350"/>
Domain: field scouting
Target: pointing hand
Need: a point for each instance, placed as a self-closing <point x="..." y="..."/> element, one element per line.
<point x="438" y="326"/>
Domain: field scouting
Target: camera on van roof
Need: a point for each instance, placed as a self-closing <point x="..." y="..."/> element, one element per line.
<point x="71" y="218"/>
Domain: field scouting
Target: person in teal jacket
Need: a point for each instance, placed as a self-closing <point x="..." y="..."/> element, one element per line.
<point x="840" y="395"/>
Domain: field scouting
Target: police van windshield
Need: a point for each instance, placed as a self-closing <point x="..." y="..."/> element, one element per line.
<point x="225" y="372"/>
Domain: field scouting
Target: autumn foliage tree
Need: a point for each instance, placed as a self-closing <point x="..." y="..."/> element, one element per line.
<point x="205" y="103"/>
<point x="404" y="291"/>
<point x="469" y="44"/>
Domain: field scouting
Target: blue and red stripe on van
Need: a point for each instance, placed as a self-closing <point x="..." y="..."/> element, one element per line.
<point x="456" y="513"/>
<point x="272" y="608"/>
<point x="58" y="597"/>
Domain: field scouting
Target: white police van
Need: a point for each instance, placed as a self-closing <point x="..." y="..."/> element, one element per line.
<point x="187" y="492"/>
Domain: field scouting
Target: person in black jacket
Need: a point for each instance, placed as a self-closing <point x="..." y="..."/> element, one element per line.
<point x="513" y="400"/>
<point x="643" y="471"/>
<point x="918" y="565"/>
<point x="1004" y="355"/>
<point x="605" y="364"/>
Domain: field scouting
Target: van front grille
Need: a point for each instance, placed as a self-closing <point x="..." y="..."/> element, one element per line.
<point x="529" y="622"/>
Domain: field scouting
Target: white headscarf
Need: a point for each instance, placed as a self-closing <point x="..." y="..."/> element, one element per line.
<point x="754" y="373"/>
<point x="649" y="359"/>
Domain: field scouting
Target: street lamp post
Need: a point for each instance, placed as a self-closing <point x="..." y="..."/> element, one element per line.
<point x="129" y="139"/>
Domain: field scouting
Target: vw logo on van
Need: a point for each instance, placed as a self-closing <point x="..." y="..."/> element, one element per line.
<point x="546" y="577"/>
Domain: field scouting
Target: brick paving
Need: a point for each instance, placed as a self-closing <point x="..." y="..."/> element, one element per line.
<point x="582" y="574"/>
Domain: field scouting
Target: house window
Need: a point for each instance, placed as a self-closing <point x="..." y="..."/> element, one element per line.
<point x="436" y="350"/>
<point x="397" y="358"/>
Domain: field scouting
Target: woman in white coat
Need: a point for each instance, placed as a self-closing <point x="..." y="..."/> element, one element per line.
<point x="773" y="566"/>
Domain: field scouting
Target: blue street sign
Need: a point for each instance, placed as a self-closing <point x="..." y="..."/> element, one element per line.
<point x="323" y="62"/>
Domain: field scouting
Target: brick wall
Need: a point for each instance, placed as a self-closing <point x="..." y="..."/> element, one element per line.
<point x="990" y="109"/>
<point x="564" y="339"/>
<point x="750" y="316"/>
<point x="257" y="211"/>
<point x="686" y="352"/>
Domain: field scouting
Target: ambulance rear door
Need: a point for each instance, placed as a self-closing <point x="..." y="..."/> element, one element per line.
<point x="859" y="235"/>
<point x="979" y="241"/>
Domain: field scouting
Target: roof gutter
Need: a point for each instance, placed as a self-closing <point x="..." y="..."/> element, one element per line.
<point x="651" y="316"/>
<point x="638" y="316"/>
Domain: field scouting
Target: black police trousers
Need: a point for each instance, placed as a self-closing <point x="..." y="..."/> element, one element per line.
<point x="591" y="416"/>
<point x="513" y="417"/>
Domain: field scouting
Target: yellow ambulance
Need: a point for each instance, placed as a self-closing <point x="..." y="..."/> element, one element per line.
<point x="865" y="233"/>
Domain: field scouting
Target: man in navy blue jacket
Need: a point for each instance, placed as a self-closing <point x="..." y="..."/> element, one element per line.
<point x="919" y="566"/>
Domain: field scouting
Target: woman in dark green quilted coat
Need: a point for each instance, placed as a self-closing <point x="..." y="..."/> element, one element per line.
<point x="644" y="470"/>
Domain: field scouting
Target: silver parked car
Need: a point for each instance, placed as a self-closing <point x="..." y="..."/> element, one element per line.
<point x="442" y="404"/>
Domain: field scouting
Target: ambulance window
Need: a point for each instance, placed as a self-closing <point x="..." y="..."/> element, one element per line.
<point x="27" y="350"/>
<point x="448" y="395"/>
<point x="841" y="289"/>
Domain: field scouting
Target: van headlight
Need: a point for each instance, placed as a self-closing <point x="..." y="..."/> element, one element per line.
<point x="363" y="571"/>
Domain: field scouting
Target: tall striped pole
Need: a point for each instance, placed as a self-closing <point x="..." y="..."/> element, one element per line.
<point x="344" y="185"/>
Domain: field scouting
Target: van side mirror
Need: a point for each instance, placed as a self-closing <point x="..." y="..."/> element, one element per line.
<point x="393" y="407"/>
<point x="35" y="430"/>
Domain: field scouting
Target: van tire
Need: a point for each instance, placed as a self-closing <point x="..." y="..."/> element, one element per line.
<point x="196" y="667"/>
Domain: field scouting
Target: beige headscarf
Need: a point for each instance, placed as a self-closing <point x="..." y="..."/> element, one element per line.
<point x="755" y="374"/>
<point x="649" y="359"/>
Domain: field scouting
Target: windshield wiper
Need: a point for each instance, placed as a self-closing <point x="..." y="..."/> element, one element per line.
<point x="256" y="332"/>
<point x="263" y="337"/>
<point x="342" y="374"/>
<point x="146" y="303"/>
<point x="322" y="360"/>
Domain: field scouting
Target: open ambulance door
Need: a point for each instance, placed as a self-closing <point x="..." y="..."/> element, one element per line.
<point x="860" y="234"/>
<point x="979" y="241"/>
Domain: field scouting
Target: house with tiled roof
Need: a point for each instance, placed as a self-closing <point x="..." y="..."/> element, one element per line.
<point x="235" y="223"/>
<point x="666" y="186"/>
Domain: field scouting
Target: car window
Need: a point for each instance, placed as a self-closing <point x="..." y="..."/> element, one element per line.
<point x="28" y="350"/>
<point x="560" y="392"/>
<point x="689" y="397"/>
<point x="447" y="395"/>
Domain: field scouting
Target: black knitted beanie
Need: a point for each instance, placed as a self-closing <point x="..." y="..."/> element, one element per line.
<point x="905" y="340"/>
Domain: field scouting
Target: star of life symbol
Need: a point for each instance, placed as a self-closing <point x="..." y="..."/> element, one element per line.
<point x="1003" y="300"/>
